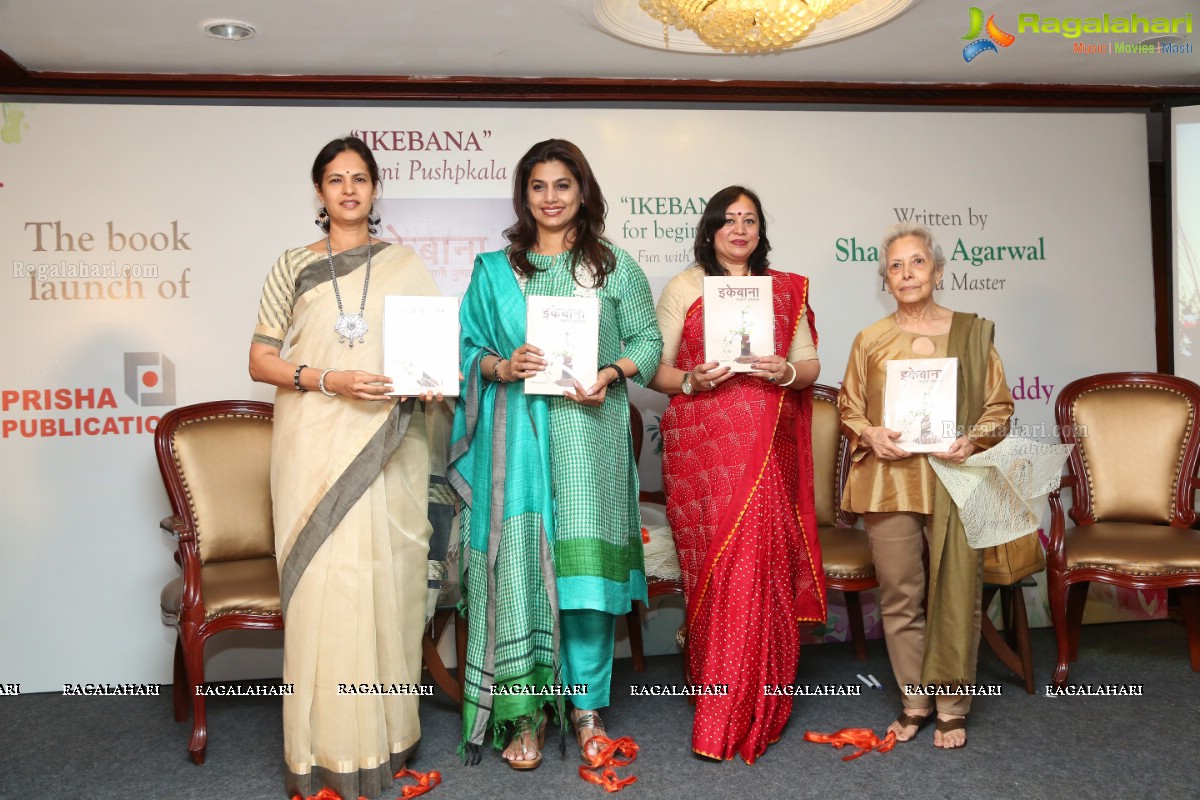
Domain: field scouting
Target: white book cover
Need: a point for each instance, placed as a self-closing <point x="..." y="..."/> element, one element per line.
<point x="567" y="330"/>
<point x="739" y="320"/>
<point x="420" y="344"/>
<point x="921" y="400"/>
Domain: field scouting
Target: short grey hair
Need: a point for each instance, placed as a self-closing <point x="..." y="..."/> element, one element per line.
<point x="902" y="229"/>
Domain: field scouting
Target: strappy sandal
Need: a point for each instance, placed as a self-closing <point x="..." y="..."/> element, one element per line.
<point x="588" y="719"/>
<point x="524" y="727"/>
<point x="907" y="720"/>
<point x="944" y="726"/>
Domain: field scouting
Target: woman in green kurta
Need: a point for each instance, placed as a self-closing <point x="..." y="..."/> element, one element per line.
<point x="551" y="530"/>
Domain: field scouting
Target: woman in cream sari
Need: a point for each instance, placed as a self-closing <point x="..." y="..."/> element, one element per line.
<point x="350" y="479"/>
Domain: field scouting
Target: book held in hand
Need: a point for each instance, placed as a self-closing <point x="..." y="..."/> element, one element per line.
<point x="739" y="320"/>
<point x="920" y="400"/>
<point x="420" y="344"/>
<point x="567" y="331"/>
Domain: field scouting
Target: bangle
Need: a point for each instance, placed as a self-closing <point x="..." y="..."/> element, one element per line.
<point x="296" y="378"/>
<point x="620" y="372"/>
<point x="321" y="384"/>
<point x="790" y="380"/>
<point x="496" y="370"/>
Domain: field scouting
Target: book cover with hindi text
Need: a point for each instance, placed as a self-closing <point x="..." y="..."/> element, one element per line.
<point x="567" y="330"/>
<point x="739" y="320"/>
<point x="920" y="400"/>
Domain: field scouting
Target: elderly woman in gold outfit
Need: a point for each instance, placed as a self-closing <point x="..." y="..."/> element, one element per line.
<point x="933" y="641"/>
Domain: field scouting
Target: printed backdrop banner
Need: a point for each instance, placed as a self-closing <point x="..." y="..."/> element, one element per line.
<point x="135" y="240"/>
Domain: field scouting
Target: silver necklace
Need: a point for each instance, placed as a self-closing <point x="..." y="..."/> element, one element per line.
<point x="350" y="326"/>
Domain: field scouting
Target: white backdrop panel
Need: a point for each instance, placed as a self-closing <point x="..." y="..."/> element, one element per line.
<point x="227" y="188"/>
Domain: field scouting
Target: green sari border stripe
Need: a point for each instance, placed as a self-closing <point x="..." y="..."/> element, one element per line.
<point x="609" y="557"/>
<point x="350" y="486"/>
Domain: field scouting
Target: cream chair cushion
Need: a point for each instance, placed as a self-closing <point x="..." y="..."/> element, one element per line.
<point x="247" y="587"/>
<point x="231" y="496"/>
<point x="1132" y="441"/>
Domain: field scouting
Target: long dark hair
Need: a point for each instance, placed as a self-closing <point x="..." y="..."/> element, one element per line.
<point x="713" y="219"/>
<point x="587" y="239"/>
<point x="331" y="151"/>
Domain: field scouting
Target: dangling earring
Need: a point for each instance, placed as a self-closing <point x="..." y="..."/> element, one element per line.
<point x="373" y="218"/>
<point x="322" y="220"/>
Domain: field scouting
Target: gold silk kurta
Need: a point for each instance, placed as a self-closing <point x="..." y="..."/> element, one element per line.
<point x="908" y="484"/>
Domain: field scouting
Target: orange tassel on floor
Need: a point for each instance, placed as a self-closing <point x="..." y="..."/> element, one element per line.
<point x="425" y="782"/>
<point x="600" y="771"/>
<point x="864" y="739"/>
<point x="325" y="794"/>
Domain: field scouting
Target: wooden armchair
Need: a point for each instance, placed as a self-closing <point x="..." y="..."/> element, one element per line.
<point x="845" y="551"/>
<point x="1133" y="482"/>
<point x="215" y="462"/>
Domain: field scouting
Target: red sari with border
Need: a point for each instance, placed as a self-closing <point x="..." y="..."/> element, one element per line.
<point x="737" y="468"/>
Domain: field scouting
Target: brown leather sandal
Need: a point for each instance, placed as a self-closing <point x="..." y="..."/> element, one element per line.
<point x="944" y="726"/>
<point x="906" y="720"/>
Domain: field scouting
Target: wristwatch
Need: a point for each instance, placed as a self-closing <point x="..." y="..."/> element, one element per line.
<point x="686" y="386"/>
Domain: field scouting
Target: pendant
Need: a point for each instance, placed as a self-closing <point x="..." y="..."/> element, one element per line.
<point x="350" y="327"/>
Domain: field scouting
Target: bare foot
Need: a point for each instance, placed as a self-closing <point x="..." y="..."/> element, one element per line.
<point x="950" y="732"/>
<point x="909" y="723"/>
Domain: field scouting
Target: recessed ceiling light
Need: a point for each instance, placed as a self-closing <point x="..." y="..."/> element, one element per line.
<point x="229" y="29"/>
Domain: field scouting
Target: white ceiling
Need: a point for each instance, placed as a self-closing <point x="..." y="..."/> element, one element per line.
<point x="556" y="39"/>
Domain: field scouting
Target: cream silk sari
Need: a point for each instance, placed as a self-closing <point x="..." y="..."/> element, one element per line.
<point x="350" y="483"/>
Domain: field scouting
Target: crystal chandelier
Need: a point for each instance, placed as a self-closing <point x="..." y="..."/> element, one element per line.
<point x="750" y="26"/>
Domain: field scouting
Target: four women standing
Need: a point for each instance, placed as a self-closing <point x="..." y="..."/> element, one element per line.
<point x="550" y="522"/>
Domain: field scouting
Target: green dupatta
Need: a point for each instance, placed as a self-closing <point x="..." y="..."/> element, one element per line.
<point x="500" y="466"/>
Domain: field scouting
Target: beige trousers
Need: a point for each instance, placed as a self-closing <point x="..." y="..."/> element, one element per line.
<point x="898" y="550"/>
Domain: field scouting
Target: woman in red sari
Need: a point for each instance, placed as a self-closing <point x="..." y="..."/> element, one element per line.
<point x="737" y="468"/>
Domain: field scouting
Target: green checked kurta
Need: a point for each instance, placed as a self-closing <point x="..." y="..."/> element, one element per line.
<point x="550" y="491"/>
<point x="598" y="538"/>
